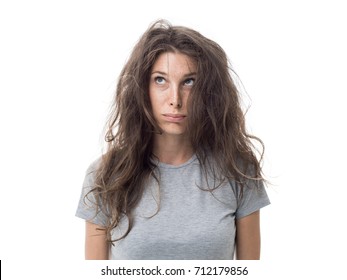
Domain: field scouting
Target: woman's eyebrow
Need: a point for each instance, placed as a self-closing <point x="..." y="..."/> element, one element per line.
<point x="190" y="74"/>
<point x="159" y="72"/>
<point x="185" y="75"/>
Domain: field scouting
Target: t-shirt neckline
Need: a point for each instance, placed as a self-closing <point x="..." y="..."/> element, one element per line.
<point x="171" y="166"/>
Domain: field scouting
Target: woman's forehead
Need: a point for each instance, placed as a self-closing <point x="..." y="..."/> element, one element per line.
<point x="179" y="63"/>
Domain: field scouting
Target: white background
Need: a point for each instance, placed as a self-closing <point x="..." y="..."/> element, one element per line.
<point x="59" y="63"/>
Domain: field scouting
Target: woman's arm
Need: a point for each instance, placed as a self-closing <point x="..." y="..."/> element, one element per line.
<point x="96" y="245"/>
<point x="248" y="237"/>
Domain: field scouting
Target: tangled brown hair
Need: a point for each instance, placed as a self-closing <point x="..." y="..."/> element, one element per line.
<point x="216" y="122"/>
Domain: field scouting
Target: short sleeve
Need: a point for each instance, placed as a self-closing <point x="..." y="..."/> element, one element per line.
<point x="254" y="197"/>
<point x="87" y="208"/>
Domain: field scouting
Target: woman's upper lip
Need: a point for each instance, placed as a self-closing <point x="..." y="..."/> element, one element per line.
<point x="175" y="115"/>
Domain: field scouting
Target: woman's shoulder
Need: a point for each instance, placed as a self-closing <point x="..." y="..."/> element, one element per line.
<point x="94" y="165"/>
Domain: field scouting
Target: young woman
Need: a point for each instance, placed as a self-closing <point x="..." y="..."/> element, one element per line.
<point x="180" y="178"/>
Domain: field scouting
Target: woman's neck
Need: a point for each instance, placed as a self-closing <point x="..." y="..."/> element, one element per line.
<point x="172" y="150"/>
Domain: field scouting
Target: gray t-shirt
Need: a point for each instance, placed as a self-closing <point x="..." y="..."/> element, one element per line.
<point x="191" y="223"/>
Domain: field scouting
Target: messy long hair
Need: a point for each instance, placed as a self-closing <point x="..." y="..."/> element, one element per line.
<point x="216" y="122"/>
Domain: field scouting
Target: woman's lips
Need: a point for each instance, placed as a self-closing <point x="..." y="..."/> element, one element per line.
<point x="174" y="117"/>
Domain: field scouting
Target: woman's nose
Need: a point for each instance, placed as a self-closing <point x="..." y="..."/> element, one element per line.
<point x="175" y="97"/>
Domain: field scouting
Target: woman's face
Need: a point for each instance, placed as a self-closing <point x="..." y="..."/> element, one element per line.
<point x="172" y="77"/>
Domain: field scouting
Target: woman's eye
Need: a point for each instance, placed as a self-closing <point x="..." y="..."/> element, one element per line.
<point x="159" y="80"/>
<point x="189" y="82"/>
